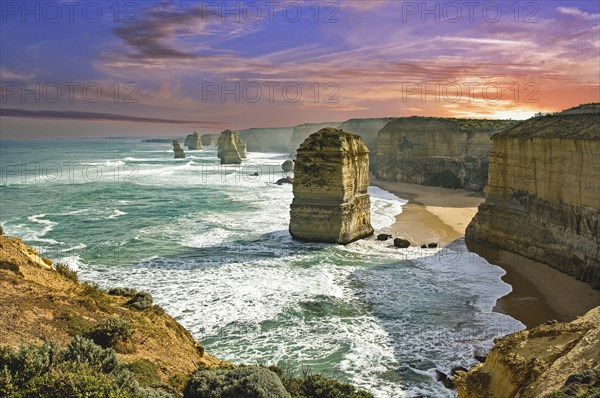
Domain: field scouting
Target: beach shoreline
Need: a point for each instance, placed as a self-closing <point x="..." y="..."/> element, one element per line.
<point x="539" y="293"/>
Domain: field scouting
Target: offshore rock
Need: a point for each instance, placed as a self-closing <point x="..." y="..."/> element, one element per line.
<point x="179" y="154"/>
<point x="231" y="148"/>
<point x="542" y="197"/>
<point x="287" y="166"/>
<point x="331" y="177"/>
<point x="451" y="153"/>
<point x="193" y="142"/>
<point x="401" y="243"/>
<point x="210" y="139"/>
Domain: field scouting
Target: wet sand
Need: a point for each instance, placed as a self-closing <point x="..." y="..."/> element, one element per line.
<point x="540" y="293"/>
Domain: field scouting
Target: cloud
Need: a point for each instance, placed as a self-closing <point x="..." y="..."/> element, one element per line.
<point x="574" y="11"/>
<point x="151" y="35"/>
<point x="7" y="74"/>
<point x="95" y="116"/>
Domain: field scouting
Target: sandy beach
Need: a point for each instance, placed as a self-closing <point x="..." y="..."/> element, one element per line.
<point x="540" y="293"/>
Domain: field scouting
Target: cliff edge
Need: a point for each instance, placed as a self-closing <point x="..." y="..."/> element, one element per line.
<point x="543" y="194"/>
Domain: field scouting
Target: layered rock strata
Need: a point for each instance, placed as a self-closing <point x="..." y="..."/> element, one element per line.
<point x="551" y="360"/>
<point x="452" y="153"/>
<point x="543" y="194"/>
<point x="231" y="148"/>
<point x="193" y="142"/>
<point x="331" y="177"/>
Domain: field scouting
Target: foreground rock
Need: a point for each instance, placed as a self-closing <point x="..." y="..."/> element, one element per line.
<point x="331" y="177"/>
<point x="193" y="142"/>
<point x="231" y="148"/>
<point x="401" y="243"/>
<point x="542" y="362"/>
<point x="178" y="150"/>
<point x="542" y="194"/>
<point x="210" y="139"/>
<point x="41" y="300"/>
<point x="451" y="153"/>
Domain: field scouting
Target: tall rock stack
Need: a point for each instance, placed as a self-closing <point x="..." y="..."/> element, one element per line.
<point x="543" y="193"/>
<point x="231" y="148"/>
<point x="179" y="154"/>
<point x="331" y="203"/>
<point x="193" y="142"/>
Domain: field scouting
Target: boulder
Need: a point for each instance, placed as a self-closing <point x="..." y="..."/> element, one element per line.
<point x="331" y="177"/>
<point x="285" y="180"/>
<point x="287" y="166"/>
<point x="401" y="243"/>
<point x="432" y="245"/>
<point x="193" y="142"/>
<point x="179" y="154"/>
<point x="383" y="237"/>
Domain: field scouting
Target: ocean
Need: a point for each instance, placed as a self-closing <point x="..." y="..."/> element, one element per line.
<point x="211" y="244"/>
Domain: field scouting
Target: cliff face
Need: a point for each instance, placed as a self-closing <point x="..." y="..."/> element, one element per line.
<point x="231" y="148"/>
<point x="178" y="150"/>
<point x="267" y="139"/>
<point x="543" y="195"/>
<point x="193" y="142"/>
<point x="331" y="177"/>
<point x="551" y="358"/>
<point x="368" y="129"/>
<point x="209" y="139"/>
<point x="451" y="153"/>
<point x="302" y="131"/>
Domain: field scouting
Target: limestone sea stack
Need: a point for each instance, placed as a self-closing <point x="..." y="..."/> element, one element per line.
<point x="209" y="139"/>
<point x="543" y="195"/>
<point x="193" y="142"/>
<point x="179" y="154"/>
<point x="331" y="177"/>
<point x="231" y="148"/>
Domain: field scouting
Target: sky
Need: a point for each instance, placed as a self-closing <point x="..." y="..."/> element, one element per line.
<point x="164" y="68"/>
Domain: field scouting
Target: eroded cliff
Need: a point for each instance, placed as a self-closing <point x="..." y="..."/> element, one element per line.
<point x="368" y="129"/>
<point x="209" y="139"/>
<point x="267" y="139"/>
<point x="331" y="177"/>
<point x="452" y="153"/>
<point x="550" y="361"/>
<point x="543" y="194"/>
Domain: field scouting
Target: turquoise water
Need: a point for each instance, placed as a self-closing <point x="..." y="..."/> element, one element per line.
<point x="211" y="245"/>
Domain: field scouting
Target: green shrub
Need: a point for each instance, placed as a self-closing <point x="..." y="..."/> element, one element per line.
<point x="66" y="272"/>
<point x="83" y="369"/>
<point x="110" y="332"/>
<point x="122" y="291"/>
<point x="310" y="385"/>
<point x="243" y="382"/>
<point x="141" y="301"/>
<point x="146" y="372"/>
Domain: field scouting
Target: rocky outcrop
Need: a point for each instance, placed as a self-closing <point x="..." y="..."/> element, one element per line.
<point x="331" y="177"/>
<point x="287" y="166"/>
<point x="368" y="129"/>
<point x="178" y="150"/>
<point x="209" y="139"/>
<point x="543" y="362"/>
<point x="451" y="153"/>
<point x="543" y="196"/>
<point x="302" y="131"/>
<point x="193" y="142"/>
<point x="231" y="148"/>
<point x="267" y="139"/>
